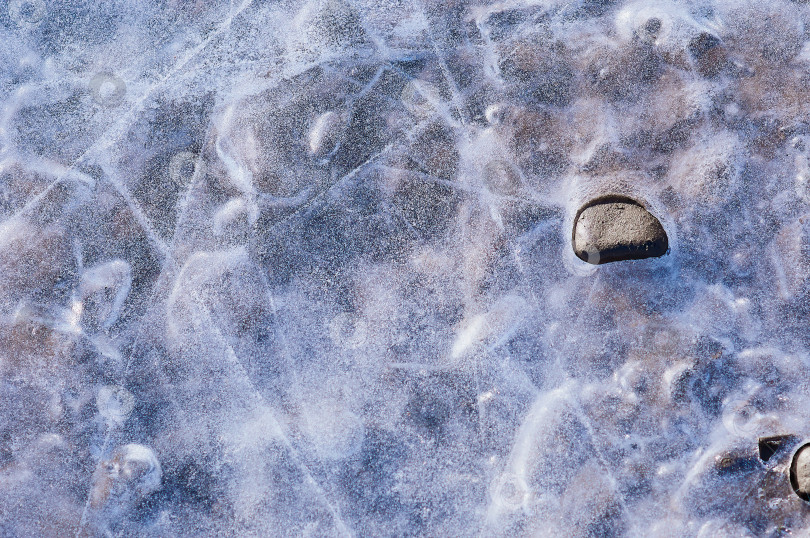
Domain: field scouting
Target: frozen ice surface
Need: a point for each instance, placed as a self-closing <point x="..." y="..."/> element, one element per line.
<point x="305" y="268"/>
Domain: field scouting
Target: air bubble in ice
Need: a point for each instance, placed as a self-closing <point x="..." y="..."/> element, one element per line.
<point x="326" y="133"/>
<point x="234" y="220"/>
<point x="718" y="528"/>
<point x="115" y="404"/>
<point x="107" y="89"/>
<point x="183" y="166"/>
<point x="502" y="177"/>
<point x="666" y="25"/>
<point x="325" y="27"/>
<point x="421" y="98"/>
<point x="27" y="12"/>
<point x="131" y="473"/>
<point x="496" y="114"/>
<point x="510" y="491"/>
<point x="102" y="292"/>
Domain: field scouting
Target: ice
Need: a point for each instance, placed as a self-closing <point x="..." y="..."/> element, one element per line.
<point x="306" y="268"/>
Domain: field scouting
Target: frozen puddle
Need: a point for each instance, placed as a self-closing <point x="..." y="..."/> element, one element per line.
<point x="340" y="267"/>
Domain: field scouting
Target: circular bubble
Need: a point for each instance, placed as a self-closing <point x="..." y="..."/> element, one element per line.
<point x="419" y="97"/>
<point x="115" y="403"/>
<point x="107" y="89"/>
<point x="511" y="491"/>
<point x="184" y="166"/>
<point x="181" y="167"/>
<point x="502" y="177"/>
<point x="676" y="380"/>
<point x="740" y="418"/>
<point x="27" y="12"/>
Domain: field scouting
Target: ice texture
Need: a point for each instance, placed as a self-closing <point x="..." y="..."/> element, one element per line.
<point x="304" y="268"/>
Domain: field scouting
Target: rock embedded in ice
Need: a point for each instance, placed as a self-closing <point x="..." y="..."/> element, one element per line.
<point x="769" y="446"/>
<point x="114" y="404"/>
<point x="102" y="292"/>
<point x="617" y="229"/>
<point x="800" y="472"/>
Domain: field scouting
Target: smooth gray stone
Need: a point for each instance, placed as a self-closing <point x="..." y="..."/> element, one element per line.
<point x="617" y="229"/>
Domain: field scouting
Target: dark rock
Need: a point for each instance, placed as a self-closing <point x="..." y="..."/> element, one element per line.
<point x="769" y="446"/>
<point x="615" y="229"/>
